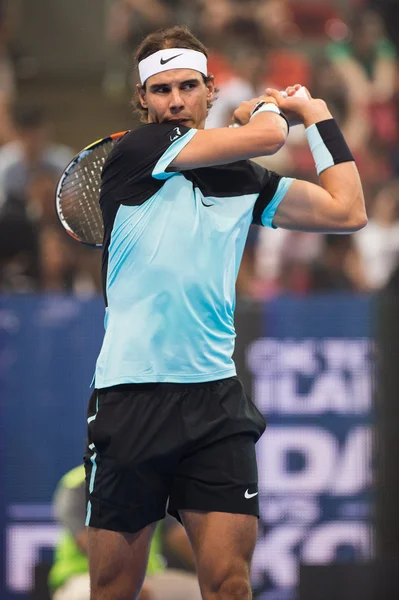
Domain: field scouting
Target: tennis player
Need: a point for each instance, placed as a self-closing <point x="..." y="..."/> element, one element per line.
<point x="169" y="422"/>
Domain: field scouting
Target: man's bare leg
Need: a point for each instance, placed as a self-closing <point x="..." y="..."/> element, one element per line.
<point x="223" y="545"/>
<point x="118" y="562"/>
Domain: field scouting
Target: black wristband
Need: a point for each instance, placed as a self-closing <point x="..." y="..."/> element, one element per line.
<point x="328" y="145"/>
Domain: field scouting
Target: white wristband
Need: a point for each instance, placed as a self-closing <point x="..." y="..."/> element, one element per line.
<point x="265" y="107"/>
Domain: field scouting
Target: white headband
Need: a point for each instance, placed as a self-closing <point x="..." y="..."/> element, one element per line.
<point x="172" y="58"/>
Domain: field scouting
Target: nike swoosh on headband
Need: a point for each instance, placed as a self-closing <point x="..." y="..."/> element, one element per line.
<point x="163" y="61"/>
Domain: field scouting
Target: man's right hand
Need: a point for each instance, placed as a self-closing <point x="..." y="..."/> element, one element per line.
<point x="298" y="109"/>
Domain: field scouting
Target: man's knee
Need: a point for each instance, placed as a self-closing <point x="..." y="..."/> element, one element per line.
<point x="236" y="587"/>
<point x="228" y="582"/>
<point x="117" y="585"/>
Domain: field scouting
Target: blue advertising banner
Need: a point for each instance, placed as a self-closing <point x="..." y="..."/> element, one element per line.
<point x="48" y="347"/>
<point x="312" y="379"/>
<point x="306" y="363"/>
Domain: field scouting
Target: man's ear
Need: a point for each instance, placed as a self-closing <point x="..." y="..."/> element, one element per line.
<point x="211" y="88"/>
<point x="141" y="92"/>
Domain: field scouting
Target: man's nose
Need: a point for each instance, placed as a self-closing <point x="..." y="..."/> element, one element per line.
<point x="176" y="101"/>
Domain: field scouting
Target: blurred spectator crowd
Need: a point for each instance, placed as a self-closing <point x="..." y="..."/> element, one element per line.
<point x="344" y="52"/>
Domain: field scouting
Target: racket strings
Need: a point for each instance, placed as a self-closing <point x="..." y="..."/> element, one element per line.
<point x="80" y="193"/>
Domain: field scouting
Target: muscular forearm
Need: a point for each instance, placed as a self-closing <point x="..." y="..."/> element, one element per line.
<point x="341" y="181"/>
<point x="269" y="132"/>
<point x="337" y="204"/>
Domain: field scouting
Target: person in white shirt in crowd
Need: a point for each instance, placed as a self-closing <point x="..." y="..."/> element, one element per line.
<point x="378" y="243"/>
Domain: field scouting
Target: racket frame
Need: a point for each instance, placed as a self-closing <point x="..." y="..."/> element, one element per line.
<point x="76" y="160"/>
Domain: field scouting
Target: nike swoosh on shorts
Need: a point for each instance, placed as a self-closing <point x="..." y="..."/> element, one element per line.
<point x="248" y="495"/>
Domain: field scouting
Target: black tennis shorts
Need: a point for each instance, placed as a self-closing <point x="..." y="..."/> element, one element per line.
<point x="193" y="444"/>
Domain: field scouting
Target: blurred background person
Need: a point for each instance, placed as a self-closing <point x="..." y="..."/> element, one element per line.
<point x="65" y="268"/>
<point x="19" y="255"/>
<point x="38" y="200"/>
<point x="8" y="84"/>
<point x="32" y="149"/>
<point x="378" y="245"/>
<point x="339" y="267"/>
<point x="57" y="261"/>
<point x="366" y="61"/>
<point x="279" y="252"/>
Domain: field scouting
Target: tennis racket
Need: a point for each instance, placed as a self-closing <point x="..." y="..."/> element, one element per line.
<point x="78" y="192"/>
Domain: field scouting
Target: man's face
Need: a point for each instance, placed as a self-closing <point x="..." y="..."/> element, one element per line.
<point x="177" y="95"/>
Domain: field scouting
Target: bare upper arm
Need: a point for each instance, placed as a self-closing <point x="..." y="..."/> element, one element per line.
<point x="309" y="207"/>
<point x="264" y="135"/>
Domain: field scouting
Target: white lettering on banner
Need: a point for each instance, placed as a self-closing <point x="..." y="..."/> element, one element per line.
<point x="318" y="449"/>
<point x="312" y="376"/>
<point x="353" y="472"/>
<point x="321" y="546"/>
<point x="295" y="509"/>
<point x="325" y="467"/>
<point x="345" y="355"/>
<point x="274" y="356"/>
<point x="328" y="390"/>
<point x="23" y="552"/>
<point x="315" y="459"/>
<point x="275" y="553"/>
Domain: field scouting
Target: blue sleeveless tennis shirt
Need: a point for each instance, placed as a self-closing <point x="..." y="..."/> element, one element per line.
<point x="173" y="242"/>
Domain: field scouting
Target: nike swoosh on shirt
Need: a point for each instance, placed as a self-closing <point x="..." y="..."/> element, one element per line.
<point x="166" y="60"/>
<point x="248" y="495"/>
<point x="203" y="203"/>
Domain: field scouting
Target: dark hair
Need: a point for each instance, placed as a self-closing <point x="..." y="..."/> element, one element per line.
<point x="28" y="116"/>
<point x="179" y="36"/>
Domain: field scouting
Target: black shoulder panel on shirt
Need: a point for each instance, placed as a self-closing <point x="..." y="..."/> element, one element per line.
<point x="234" y="179"/>
<point x="265" y="196"/>
<point x="127" y="173"/>
<point x="237" y="179"/>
